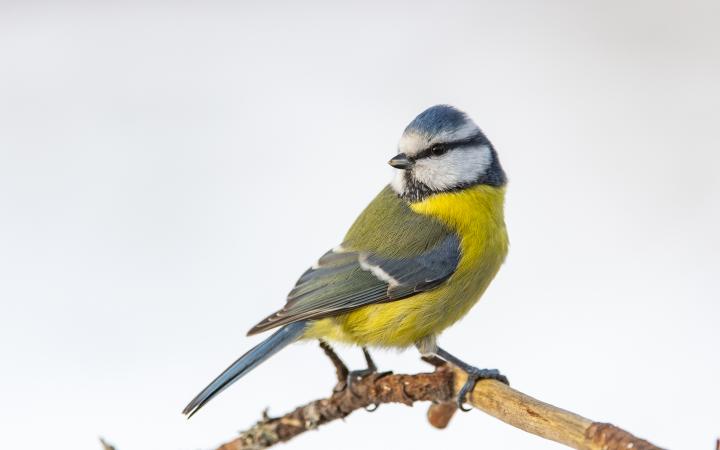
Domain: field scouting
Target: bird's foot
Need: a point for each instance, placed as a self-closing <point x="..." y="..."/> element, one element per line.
<point x="355" y="376"/>
<point x="473" y="376"/>
<point x="346" y="377"/>
<point x="371" y="369"/>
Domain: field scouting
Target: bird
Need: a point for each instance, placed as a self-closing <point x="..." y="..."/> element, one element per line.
<point x="413" y="263"/>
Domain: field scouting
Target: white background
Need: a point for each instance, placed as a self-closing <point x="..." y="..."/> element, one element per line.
<point x="168" y="170"/>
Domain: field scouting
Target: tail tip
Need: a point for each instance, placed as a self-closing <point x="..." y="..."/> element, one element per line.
<point x="191" y="409"/>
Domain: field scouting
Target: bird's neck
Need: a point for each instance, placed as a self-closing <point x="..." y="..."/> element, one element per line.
<point x="457" y="208"/>
<point x="475" y="214"/>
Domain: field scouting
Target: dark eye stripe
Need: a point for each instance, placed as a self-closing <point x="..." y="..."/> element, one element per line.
<point x="445" y="147"/>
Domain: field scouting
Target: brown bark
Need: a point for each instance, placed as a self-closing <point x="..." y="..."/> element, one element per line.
<point x="439" y="387"/>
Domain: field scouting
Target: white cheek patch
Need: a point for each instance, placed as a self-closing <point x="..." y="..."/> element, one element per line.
<point x="398" y="182"/>
<point x="455" y="168"/>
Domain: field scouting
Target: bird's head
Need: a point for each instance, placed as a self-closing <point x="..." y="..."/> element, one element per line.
<point x="443" y="150"/>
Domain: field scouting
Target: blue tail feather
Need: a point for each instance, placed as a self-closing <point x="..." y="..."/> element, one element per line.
<point x="247" y="362"/>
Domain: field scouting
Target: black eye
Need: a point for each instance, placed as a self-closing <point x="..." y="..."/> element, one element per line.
<point x="438" y="150"/>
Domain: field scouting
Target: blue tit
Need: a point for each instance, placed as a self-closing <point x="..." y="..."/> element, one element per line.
<point x="413" y="263"/>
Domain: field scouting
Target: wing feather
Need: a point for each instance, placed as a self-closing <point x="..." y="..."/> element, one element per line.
<point x="342" y="281"/>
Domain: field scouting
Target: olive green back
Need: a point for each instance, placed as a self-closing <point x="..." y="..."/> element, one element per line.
<point x="389" y="228"/>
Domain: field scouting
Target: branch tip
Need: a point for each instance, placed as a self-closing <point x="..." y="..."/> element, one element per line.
<point x="106" y="445"/>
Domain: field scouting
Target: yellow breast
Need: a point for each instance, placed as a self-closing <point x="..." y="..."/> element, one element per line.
<point x="476" y="215"/>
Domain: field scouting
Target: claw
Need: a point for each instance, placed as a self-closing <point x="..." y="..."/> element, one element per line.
<point x="462" y="395"/>
<point x="475" y="375"/>
<point x="374" y="407"/>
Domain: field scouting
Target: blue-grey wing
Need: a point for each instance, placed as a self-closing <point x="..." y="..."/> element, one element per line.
<point x="342" y="281"/>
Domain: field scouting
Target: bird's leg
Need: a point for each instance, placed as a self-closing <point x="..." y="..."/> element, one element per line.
<point x="371" y="365"/>
<point x="346" y="377"/>
<point x="371" y="368"/>
<point x="474" y="375"/>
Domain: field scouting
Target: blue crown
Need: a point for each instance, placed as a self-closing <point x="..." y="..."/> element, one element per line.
<point x="436" y="119"/>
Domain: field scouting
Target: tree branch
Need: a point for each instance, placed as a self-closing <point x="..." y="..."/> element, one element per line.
<point x="439" y="387"/>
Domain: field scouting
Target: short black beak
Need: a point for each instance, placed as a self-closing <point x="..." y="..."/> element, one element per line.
<point x="401" y="161"/>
